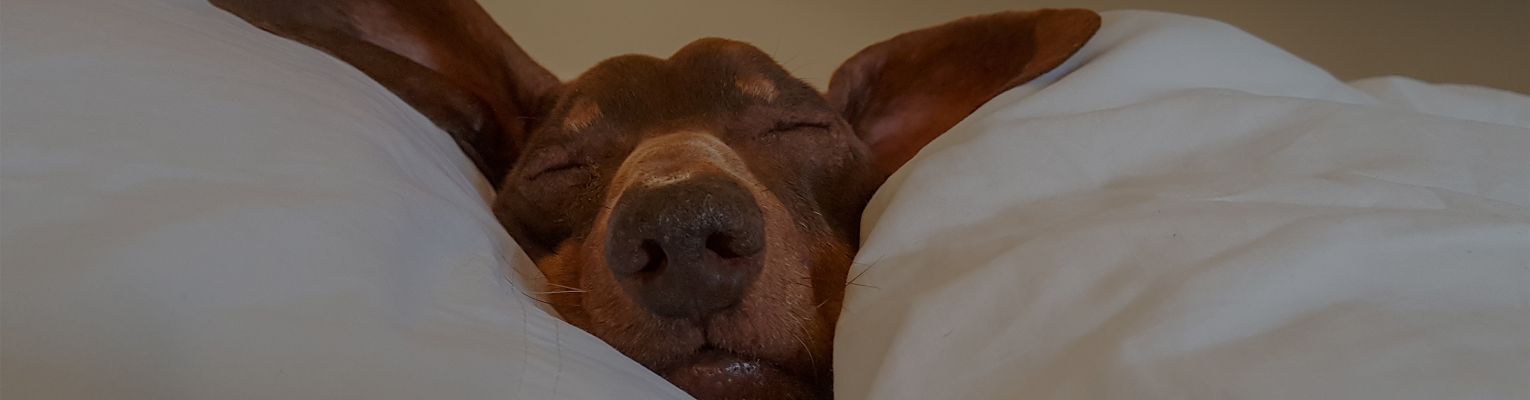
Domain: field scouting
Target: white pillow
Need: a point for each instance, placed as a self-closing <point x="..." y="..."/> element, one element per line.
<point x="1184" y="211"/>
<point x="196" y="209"/>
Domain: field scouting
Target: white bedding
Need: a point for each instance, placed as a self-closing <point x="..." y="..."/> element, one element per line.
<point x="191" y="208"/>
<point x="195" y="209"/>
<point x="1184" y="211"/>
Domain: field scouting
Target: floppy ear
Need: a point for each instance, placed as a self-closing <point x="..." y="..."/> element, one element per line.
<point x="446" y="58"/>
<point x="902" y="93"/>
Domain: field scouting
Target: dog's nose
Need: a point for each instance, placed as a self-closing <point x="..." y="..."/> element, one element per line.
<point x="686" y="249"/>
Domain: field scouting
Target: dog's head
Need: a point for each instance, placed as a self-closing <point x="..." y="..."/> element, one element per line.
<point x="698" y="213"/>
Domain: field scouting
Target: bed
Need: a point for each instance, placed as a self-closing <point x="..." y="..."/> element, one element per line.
<point x="190" y="208"/>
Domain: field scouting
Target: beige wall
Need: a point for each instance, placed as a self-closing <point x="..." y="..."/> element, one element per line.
<point x="1484" y="42"/>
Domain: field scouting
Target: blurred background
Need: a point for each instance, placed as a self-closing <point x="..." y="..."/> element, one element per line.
<point x="1481" y="42"/>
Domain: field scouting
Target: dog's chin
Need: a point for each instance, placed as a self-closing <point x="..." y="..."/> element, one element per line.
<point x="720" y="374"/>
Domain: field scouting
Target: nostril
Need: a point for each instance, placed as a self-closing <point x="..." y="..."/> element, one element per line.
<point x="722" y="245"/>
<point x="728" y="246"/>
<point x="656" y="260"/>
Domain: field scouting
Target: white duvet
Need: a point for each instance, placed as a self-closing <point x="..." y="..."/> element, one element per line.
<point x="1184" y="211"/>
<point x="191" y="208"/>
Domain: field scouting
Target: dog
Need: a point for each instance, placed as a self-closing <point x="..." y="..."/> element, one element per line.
<point x="698" y="213"/>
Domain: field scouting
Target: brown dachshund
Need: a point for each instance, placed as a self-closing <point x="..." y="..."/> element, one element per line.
<point x="698" y="213"/>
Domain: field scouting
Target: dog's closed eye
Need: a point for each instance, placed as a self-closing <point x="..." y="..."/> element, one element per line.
<point x="556" y="165"/>
<point x="559" y="169"/>
<point x="797" y="126"/>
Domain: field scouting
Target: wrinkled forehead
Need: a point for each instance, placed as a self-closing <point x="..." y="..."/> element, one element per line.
<point x="707" y="79"/>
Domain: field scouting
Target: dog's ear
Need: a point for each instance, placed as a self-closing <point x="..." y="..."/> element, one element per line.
<point x="446" y="58"/>
<point x="902" y="93"/>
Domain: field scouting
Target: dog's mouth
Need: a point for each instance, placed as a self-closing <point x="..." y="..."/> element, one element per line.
<point x="716" y="373"/>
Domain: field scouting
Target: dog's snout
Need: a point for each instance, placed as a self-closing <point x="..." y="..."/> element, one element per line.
<point x="689" y="248"/>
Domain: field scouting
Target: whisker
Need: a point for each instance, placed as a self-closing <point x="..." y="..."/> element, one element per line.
<point x="558" y="292"/>
<point x="858" y="284"/>
<point x="851" y="281"/>
<point x="534" y="298"/>
<point x="566" y="287"/>
<point x="812" y="361"/>
<point x="846" y="283"/>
